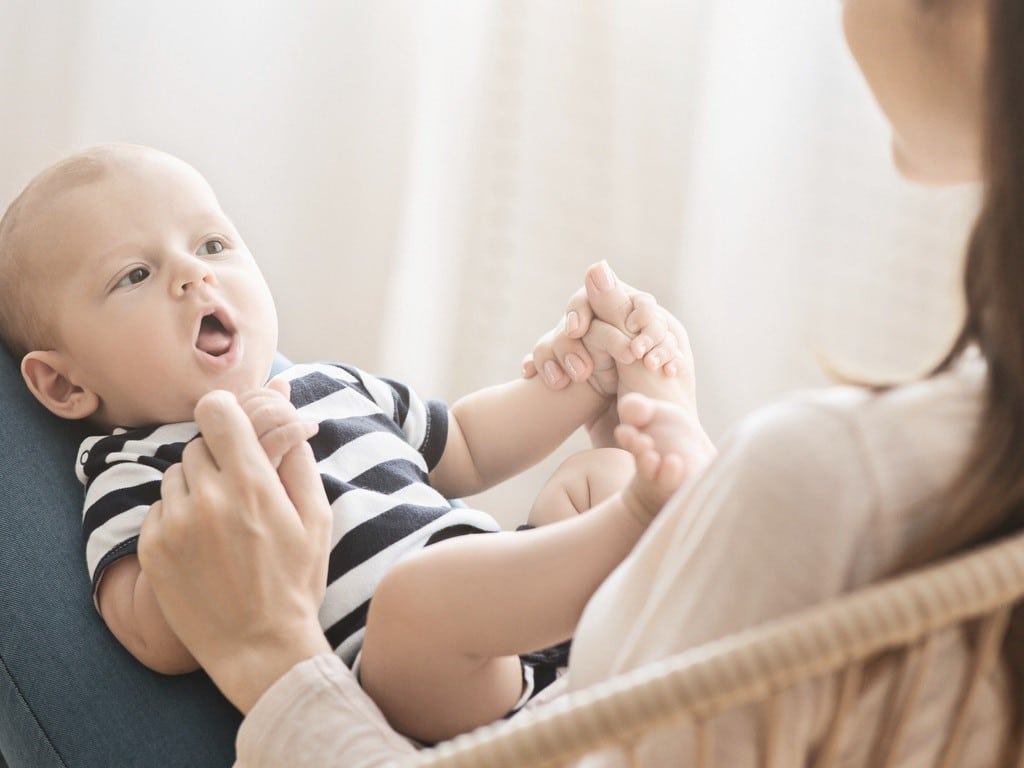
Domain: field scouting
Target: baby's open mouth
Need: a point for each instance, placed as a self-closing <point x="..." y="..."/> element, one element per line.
<point x="214" y="337"/>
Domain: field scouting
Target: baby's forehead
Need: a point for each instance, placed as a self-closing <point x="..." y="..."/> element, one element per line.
<point x="77" y="191"/>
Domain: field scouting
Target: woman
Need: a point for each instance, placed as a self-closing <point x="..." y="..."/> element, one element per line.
<point x="809" y="498"/>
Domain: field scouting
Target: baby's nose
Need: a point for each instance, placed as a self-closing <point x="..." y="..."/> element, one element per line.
<point x="191" y="274"/>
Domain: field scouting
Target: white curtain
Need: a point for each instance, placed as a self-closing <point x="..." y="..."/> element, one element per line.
<point x="425" y="181"/>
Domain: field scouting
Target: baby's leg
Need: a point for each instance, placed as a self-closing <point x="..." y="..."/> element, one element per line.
<point x="418" y="663"/>
<point x="582" y="481"/>
<point x="446" y="625"/>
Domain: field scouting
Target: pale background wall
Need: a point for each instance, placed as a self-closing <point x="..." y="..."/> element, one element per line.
<point x="424" y="181"/>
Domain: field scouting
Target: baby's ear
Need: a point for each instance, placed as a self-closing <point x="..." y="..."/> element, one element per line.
<point x="46" y="374"/>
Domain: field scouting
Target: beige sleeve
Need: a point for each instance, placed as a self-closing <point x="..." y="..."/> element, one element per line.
<point x="317" y="716"/>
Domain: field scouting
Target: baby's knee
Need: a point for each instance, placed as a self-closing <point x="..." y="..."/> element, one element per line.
<point x="581" y="482"/>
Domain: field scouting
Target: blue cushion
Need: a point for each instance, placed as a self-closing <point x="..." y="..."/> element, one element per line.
<point x="69" y="694"/>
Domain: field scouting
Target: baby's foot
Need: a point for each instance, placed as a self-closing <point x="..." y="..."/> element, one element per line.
<point x="668" y="444"/>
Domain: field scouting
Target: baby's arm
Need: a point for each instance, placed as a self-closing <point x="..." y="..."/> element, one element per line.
<point x="499" y="431"/>
<point x="132" y="613"/>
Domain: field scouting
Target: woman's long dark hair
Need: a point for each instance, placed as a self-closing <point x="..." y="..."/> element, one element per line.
<point x="991" y="485"/>
<point x="994" y="284"/>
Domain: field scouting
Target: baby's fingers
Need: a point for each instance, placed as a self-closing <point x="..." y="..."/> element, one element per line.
<point x="606" y="340"/>
<point x="276" y="422"/>
<point x="282" y="386"/>
<point x="281" y="439"/>
<point x="665" y="355"/>
<point x="529" y="367"/>
<point x="276" y="391"/>
<point x="647" y="321"/>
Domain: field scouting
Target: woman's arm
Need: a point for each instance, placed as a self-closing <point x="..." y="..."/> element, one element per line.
<point x="317" y="716"/>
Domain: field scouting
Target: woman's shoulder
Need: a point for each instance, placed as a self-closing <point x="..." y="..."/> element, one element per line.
<point x="928" y="415"/>
<point x="872" y="462"/>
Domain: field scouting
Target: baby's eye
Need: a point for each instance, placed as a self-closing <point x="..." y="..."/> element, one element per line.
<point x="210" y="248"/>
<point x="133" y="277"/>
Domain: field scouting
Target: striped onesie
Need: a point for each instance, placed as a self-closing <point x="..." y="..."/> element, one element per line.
<point x="377" y="442"/>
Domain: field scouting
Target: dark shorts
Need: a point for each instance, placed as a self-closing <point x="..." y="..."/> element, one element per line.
<point x="541" y="669"/>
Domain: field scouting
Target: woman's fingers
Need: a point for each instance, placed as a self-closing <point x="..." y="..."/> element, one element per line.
<point x="198" y="465"/>
<point x="608" y="297"/>
<point x="573" y="357"/>
<point x="305" y="489"/>
<point x="608" y="322"/>
<point x="559" y="359"/>
<point x="227" y="432"/>
<point x="578" y="315"/>
<point x="174" y="485"/>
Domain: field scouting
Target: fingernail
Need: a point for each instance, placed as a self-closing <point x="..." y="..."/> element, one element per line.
<point x="639" y="347"/>
<point x="603" y="277"/>
<point x="671" y="369"/>
<point x="632" y="325"/>
<point x="574" y="366"/>
<point x="572" y="322"/>
<point x="656" y="360"/>
<point x="551" y="372"/>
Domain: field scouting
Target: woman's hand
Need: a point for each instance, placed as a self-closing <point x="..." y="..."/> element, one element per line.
<point x="236" y="553"/>
<point x="608" y="323"/>
<point x="633" y="326"/>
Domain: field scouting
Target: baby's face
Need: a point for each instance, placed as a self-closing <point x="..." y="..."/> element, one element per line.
<point x="157" y="299"/>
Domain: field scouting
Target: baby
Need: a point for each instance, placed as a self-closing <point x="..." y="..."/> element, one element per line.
<point x="128" y="294"/>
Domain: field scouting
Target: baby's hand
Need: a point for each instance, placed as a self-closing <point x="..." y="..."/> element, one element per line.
<point x="277" y="423"/>
<point x="669" y="446"/>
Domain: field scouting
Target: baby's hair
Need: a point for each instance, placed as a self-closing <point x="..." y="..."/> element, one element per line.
<point x="25" y="320"/>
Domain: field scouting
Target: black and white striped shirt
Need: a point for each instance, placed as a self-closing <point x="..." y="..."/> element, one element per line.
<point x="376" y="444"/>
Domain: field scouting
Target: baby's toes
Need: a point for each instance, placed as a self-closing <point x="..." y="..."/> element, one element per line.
<point x="672" y="472"/>
<point x="648" y="463"/>
<point x="636" y="410"/>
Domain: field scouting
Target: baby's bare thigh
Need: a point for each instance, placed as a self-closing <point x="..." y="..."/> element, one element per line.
<point x="581" y="482"/>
